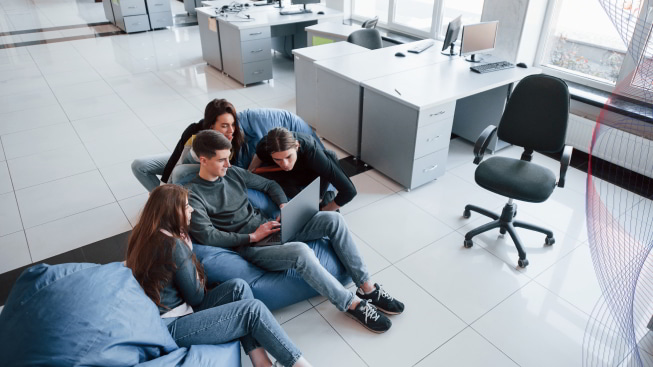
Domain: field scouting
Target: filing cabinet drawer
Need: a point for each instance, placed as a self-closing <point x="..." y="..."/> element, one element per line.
<point x="158" y="6"/>
<point x="436" y="113"/>
<point x="137" y="23"/>
<point x="132" y="7"/>
<point x="161" y="20"/>
<point x="254" y="33"/>
<point x="258" y="71"/>
<point x="429" y="168"/>
<point x="433" y="137"/>
<point x="256" y="50"/>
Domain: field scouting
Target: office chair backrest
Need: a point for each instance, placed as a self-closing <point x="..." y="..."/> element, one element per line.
<point x="369" y="38"/>
<point x="370" y="23"/>
<point x="536" y="114"/>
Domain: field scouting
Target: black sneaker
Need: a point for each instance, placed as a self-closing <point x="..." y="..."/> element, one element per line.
<point x="382" y="300"/>
<point x="367" y="315"/>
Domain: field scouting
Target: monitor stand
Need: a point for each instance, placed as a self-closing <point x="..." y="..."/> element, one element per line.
<point x="450" y="52"/>
<point x="307" y="10"/>
<point x="473" y="58"/>
<point x="278" y="6"/>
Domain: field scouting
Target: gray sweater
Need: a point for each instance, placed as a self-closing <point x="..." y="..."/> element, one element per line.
<point x="223" y="216"/>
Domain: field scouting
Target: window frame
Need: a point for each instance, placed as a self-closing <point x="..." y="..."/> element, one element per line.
<point x="626" y="68"/>
<point x="389" y="24"/>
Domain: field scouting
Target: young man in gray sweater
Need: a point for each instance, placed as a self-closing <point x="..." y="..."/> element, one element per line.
<point x="224" y="217"/>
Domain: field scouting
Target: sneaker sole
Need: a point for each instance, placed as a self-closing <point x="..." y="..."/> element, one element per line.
<point x="363" y="324"/>
<point x="386" y="311"/>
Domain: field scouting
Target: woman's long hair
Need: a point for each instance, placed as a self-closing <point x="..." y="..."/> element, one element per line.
<point x="149" y="252"/>
<point x="218" y="107"/>
<point x="279" y="139"/>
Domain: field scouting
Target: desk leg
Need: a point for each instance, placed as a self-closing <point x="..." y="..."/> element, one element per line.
<point x="475" y="113"/>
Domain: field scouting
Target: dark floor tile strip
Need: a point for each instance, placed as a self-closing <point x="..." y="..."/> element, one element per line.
<point x="36" y="30"/>
<point x="101" y="252"/>
<point x="610" y="172"/>
<point x="185" y="25"/>
<point x="353" y="166"/>
<point x="63" y="39"/>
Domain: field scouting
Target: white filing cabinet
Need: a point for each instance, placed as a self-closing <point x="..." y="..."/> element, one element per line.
<point x="407" y="144"/>
<point x="249" y="59"/>
<point x="160" y="13"/>
<point x="131" y="15"/>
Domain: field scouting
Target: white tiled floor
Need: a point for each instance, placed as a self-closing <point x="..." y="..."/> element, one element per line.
<point x="73" y="115"/>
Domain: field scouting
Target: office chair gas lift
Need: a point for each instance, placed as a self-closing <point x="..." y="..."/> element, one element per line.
<point x="535" y="118"/>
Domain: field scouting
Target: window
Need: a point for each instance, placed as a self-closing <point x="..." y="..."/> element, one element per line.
<point x="598" y="48"/>
<point x="424" y="18"/>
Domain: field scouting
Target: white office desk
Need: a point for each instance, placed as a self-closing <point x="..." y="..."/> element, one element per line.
<point x="339" y="92"/>
<point x="324" y="32"/>
<point x="242" y="48"/>
<point x="306" y="76"/>
<point x="408" y="117"/>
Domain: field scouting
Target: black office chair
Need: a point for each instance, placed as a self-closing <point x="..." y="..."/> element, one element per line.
<point x="369" y="38"/>
<point x="370" y="23"/>
<point x="535" y="118"/>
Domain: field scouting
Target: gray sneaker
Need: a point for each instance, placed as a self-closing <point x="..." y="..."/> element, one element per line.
<point x="367" y="315"/>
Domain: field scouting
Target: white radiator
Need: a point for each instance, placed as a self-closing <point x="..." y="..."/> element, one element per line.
<point x="619" y="147"/>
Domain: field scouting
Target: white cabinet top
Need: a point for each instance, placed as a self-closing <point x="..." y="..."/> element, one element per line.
<point x="382" y="61"/>
<point x="443" y="82"/>
<point x="262" y="16"/>
<point x="329" y="50"/>
<point x="333" y="29"/>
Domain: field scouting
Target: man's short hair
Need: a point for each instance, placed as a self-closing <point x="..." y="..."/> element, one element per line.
<point x="206" y="142"/>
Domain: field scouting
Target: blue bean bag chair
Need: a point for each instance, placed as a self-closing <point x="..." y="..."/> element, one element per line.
<point x="275" y="289"/>
<point x="92" y="315"/>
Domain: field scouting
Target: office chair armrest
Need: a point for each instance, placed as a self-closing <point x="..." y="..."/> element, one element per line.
<point x="565" y="160"/>
<point x="482" y="143"/>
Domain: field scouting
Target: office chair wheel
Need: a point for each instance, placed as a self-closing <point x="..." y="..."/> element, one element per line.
<point x="522" y="263"/>
<point x="549" y="241"/>
<point x="502" y="231"/>
<point x="468" y="243"/>
<point x="467" y="214"/>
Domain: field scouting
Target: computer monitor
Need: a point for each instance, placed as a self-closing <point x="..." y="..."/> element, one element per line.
<point x="304" y="2"/>
<point x="477" y="38"/>
<point x="453" y="30"/>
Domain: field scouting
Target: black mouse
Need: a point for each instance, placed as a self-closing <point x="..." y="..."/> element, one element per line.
<point x="246" y="4"/>
<point x="521" y="65"/>
<point x="320" y="13"/>
<point x="399" y="54"/>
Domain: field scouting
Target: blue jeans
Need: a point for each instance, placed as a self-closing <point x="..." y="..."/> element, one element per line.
<point x="230" y="312"/>
<point x="298" y="256"/>
<point x="147" y="169"/>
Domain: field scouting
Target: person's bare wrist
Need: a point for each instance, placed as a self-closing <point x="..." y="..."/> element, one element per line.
<point x="252" y="238"/>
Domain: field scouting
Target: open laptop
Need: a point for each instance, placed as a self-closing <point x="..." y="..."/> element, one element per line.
<point x="296" y="213"/>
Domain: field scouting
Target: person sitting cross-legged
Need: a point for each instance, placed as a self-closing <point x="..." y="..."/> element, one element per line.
<point x="225" y="218"/>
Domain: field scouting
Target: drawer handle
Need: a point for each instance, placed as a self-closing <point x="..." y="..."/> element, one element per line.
<point x="257" y="72"/>
<point x="430" y="168"/>
<point x="255" y="51"/>
<point x="255" y="33"/>
<point x="158" y="4"/>
<point x="131" y="7"/>
<point x="431" y="139"/>
<point x="437" y="113"/>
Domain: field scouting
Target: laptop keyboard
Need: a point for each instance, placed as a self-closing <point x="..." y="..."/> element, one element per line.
<point x="274" y="238"/>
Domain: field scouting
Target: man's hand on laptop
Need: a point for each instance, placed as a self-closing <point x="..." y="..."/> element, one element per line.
<point x="264" y="230"/>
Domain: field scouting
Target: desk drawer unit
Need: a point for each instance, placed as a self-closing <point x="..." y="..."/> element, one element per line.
<point x="158" y="6"/>
<point x="137" y="23"/>
<point x="255" y="33"/>
<point x="256" y="50"/>
<point x="246" y="54"/>
<point x="437" y="113"/>
<point x="394" y="142"/>
<point x="132" y="7"/>
<point x="161" y="20"/>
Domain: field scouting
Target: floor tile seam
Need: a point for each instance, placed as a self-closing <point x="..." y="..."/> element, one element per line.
<point x="556" y="262"/>
<point x="432" y="296"/>
<point x="299" y="314"/>
<point x="56" y="179"/>
<point x="383" y="184"/>
<point x="371" y="247"/>
<point x="519" y="288"/>
<point x="22" y="224"/>
<point x="341" y="336"/>
<point x="41" y="151"/>
<point x="441" y="345"/>
<point x="10" y="233"/>
<point x="368" y="204"/>
<point x="71" y="215"/>
<point x="495" y="346"/>
<point x="59" y="40"/>
<point x="589" y="315"/>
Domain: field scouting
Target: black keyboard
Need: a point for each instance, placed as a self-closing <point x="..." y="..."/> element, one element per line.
<point x="275" y="238"/>
<point x="488" y="68"/>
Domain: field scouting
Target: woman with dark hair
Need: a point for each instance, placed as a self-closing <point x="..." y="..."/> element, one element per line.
<point x="180" y="166"/>
<point x="301" y="160"/>
<point x="161" y="258"/>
